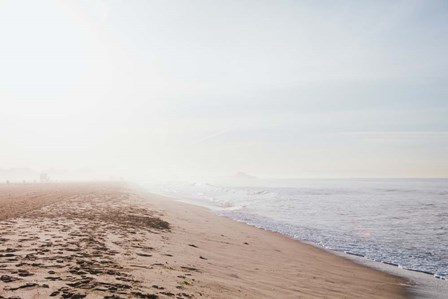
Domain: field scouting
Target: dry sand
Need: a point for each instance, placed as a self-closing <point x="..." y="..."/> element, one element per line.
<point x="110" y="241"/>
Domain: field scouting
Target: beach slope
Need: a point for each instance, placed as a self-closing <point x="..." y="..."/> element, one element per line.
<point x="114" y="241"/>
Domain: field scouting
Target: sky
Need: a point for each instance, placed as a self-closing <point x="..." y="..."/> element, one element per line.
<point x="187" y="89"/>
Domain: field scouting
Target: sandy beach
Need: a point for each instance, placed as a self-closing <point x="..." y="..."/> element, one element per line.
<point x="115" y="241"/>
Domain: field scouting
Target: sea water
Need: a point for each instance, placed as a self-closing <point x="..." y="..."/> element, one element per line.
<point x="403" y="222"/>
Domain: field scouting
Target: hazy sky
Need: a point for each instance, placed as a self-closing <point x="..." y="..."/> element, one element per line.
<point x="189" y="88"/>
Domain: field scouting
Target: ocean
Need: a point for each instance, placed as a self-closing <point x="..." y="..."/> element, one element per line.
<point x="403" y="222"/>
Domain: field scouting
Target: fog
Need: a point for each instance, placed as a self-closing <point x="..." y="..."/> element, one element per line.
<point x="146" y="90"/>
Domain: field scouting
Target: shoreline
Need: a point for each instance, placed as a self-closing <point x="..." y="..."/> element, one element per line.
<point x="422" y="284"/>
<point x="110" y="241"/>
<point x="405" y="284"/>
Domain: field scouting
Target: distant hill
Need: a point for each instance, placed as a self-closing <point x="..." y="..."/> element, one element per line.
<point x="238" y="179"/>
<point x="243" y="175"/>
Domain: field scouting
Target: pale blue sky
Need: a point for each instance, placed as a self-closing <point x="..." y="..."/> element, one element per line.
<point x="197" y="88"/>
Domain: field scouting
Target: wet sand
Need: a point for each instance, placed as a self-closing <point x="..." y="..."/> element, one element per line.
<point x="113" y="241"/>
